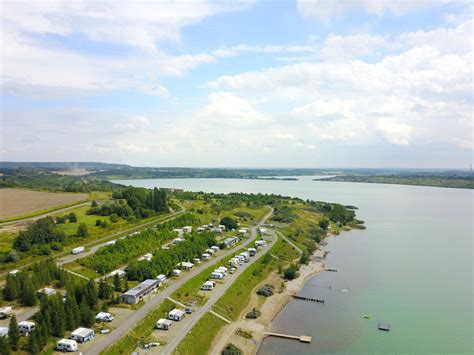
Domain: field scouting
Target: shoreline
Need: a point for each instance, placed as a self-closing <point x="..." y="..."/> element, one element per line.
<point x="270" y="308"/>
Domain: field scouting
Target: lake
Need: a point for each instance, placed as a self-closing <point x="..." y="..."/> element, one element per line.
<point x="412" y="267"/>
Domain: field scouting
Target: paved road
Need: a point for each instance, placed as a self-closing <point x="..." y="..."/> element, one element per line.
<point x="216" y="295"/>
<point x="104" y="342"/>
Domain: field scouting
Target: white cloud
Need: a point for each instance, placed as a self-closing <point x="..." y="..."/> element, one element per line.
<point x="395" y="132"/>
<point x="325" y="11"/>
<point x="134" y="148"/>
<point x="140" y="119"/>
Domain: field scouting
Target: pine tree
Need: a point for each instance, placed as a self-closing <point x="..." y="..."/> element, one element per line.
<point x="104" y="290"/>
<point x="13" y="333"/>
<point x="117" y="283"/>
<point x="33" y="346"/>
<point x="91" y="294"/>
<point x="5" y="348"/>
<point x="82" y="231"/>
<point x="87" y="317"/>
<point x="11" y="291"/>
<point x="28" y="293"/>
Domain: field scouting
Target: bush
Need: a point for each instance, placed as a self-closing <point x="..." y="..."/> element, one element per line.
<point x="291" y="272"/>
<point x="229" y="223"/>
<point x="98" y="223"/>
<point x="231" y="349"/>
<point x="82" y="231"/>
<point x="72" y="217"/>
<point x="265" y="290"/>
<point x="253" y="314"/>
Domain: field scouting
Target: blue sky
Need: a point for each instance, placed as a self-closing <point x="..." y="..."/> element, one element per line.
<point x="358" y="83"/>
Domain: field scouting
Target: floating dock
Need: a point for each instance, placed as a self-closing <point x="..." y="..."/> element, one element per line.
<point x="332" y="270"/>
<point x="318" y="300"/>
<point x="301" y="338"/>
<point x="384" y="326"/>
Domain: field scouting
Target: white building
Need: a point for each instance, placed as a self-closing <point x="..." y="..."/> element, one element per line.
<point x="134" y="295"/>
<point x="82" y="335"/>
<point x="68" y="345"/>
<point x="176" y="315"/>
<point x="163" y="324"/>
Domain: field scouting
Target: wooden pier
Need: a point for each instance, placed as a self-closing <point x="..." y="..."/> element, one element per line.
<point x="318" y="300"/>
<point x="301" y="338"/>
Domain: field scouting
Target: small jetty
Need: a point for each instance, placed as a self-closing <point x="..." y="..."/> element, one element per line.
<point x="318" y="300"/>
<point x="332" y="270"/>
<point x="301" y="338"/>
<point x="384" y="326"/>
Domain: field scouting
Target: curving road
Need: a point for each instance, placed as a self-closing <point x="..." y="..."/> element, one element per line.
<point x="129" y="323"/>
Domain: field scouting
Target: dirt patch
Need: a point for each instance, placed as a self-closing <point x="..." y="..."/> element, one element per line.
<point x="16" y="202"/>
<point x="74" y="172"/>
<point x="238" y="332"/>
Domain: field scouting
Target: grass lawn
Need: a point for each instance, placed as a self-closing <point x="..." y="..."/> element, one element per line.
<point x="199" y="339"/>
<point x="234" y="300"/>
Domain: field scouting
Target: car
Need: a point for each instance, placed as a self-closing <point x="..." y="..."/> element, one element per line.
<point x="188" y="310"/>
<point x="232" y="270"/>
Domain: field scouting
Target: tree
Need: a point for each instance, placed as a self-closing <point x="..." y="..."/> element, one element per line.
<point x="87" y="316"/>
<point x="5" y="348"/>
<point x="324" y="224"/>
<point x="304" y="259"/>
<point x="98" y="223"/>
<point x="11" y="291"/>
<point x="82" y="231"/>
<point x="229" y="223"/>
<point x="117" y="283"/>
<point x="28" y="293"/>
<point x="291" y="272"/>
<point x="104" y="290"/>
<point x="33" y="346"/>
<point x="94" y="203"/>
<point x="72" y="217"/>
<point x="13" y="333"/>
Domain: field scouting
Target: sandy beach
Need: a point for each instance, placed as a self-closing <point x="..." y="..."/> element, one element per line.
<point x="248" y="334"/>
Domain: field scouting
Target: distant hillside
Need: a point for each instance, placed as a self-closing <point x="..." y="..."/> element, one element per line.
<point x="54" y="166"/>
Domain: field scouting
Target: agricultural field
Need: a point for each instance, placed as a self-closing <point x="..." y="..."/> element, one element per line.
<point x="16" y="202"/>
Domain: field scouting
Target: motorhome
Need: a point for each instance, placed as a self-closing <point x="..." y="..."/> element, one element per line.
<point x="206" y="256"/>
<point x="176" y="272"/>
<point x="6" y="312"/>
<point x="252" y="251"/>
<point x="196" y="260"/>
<point x="68" y="345"/>
<point x="208" y="285"/>
<point x="78" y="250"/>
<point x="26" y="327"/>
<point x="161" y="278"/>
<point x="176" y="314"/>
<point x="163" y="324"/>
<point x="187" y="229"/>
<point x="217" y="275"/>
<point x="215" y="248"/>
<point x="111" y="242"/>
<point x="104" y="317"/>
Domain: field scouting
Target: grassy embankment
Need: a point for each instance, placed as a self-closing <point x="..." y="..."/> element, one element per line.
<point x="235" y="299"/>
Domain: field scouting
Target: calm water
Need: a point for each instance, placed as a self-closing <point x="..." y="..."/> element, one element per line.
<point x="412" y="268"/>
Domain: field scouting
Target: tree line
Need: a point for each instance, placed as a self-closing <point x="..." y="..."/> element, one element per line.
<point x="124" y="250"/>
<point x="164" y="261"/>
<point x="23" y="286"/>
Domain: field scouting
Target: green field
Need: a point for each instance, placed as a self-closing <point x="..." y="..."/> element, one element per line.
<point x="199" y="339"/>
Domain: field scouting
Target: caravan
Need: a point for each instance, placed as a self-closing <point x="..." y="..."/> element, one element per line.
<point x="68" y="345"/>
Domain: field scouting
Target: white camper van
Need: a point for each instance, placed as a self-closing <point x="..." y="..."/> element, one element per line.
<point x="68" y="345"/>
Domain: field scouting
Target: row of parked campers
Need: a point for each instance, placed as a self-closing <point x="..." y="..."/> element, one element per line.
<point x="219" y="273"/>
<point x="175" y="315"/>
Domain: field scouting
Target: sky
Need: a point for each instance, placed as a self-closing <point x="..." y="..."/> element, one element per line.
<point x="353" y="83"/>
